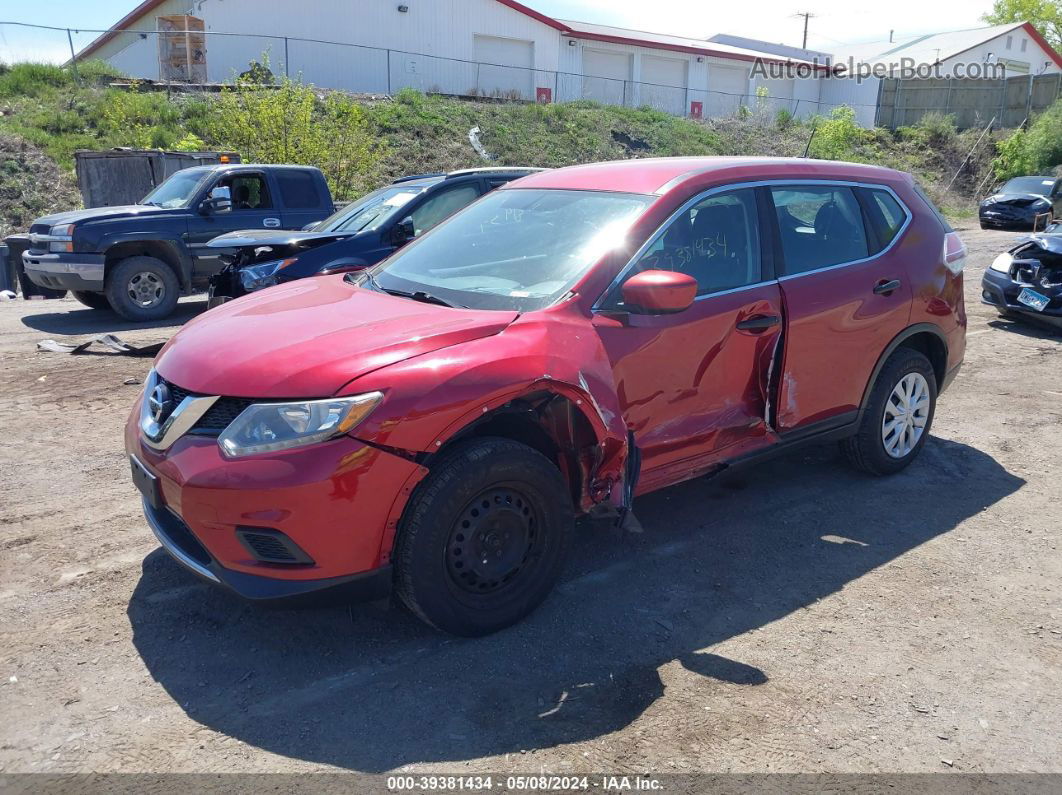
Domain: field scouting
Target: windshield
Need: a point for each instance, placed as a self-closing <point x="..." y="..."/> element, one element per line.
<point x="516" y="249"/>
<point x="177" y="191"/>
<point x="370" y="211"/>
<point x="1041" y="186"/>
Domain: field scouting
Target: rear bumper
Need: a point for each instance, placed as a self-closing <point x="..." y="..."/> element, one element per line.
<point x="175" y="537"/>
<point x="75" y="271"/>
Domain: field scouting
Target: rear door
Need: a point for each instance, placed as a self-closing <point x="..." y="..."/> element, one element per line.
<point x="301" y="199"/>
<point x="846" y="296"/>
<point x="694" y="385"/>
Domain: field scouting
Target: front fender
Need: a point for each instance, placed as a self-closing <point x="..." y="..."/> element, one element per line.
<point x="430" y="399"/>
<point x="177" y="250"/>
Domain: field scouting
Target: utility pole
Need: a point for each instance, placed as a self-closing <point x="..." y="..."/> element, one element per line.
<point x="807" y="15"/>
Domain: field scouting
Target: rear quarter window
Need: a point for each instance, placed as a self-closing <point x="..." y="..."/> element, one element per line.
<point x="885" y="216"/>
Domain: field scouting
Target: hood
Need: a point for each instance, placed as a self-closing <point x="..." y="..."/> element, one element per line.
<point x="110" y="213"/>
<point x="308" y="338"/>
<point x="271" y="237"/>
<point x="1017" y="199"/>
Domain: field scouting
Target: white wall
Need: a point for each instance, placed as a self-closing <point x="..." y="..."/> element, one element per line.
<point x="1034" y="55"/>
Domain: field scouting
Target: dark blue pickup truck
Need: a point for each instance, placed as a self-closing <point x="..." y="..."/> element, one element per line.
<point x="139" y="259"/>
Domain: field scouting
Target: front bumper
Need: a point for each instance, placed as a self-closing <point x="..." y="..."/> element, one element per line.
<point x="65" y="271"/>
<point x="334" y="501"/>
<point x="1008" y="217"/>
<point x="999" y="290"/>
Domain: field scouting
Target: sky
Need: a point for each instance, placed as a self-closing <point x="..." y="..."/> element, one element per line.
<point x="834" y="22"/>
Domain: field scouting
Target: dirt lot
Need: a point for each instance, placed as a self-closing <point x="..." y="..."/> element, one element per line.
<point x="800" y="617"/>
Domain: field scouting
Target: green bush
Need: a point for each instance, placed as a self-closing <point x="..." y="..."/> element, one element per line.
<point x="1036" y="150"/>
<point x="836" y="136"/>
<point x="291" y="124"/>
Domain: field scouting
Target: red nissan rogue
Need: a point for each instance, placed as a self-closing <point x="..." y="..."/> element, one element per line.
<point x="574" y="339"/>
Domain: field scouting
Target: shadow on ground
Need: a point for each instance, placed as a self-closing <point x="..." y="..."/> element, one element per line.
<point x="372" y="689"/>
<point x="86" y="321"/>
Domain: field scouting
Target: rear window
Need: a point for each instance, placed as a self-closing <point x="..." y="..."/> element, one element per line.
<point x="819" y="226"/>
<point x="298" y="189"/>
<point x="929" y="203"/>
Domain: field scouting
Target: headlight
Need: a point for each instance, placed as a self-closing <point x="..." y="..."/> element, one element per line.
<point x="267" y="427"/>
<point x="257" y="277"/>
<point x="1002" y="262"/>
<point x="66" y="233"/>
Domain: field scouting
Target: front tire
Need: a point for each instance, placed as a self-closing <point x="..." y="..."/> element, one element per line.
<point x="91" y="300"/>
<point x="483" y="538"/>
<point x="142" y="288"/>
<point x="897" y="417"/>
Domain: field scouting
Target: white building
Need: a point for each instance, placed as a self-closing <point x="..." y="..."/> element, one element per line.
<point x="1018" y="46"/>
<point x="492" y="47"/>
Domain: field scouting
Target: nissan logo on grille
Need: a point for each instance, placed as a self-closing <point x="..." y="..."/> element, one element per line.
<point x="160" y="403"/>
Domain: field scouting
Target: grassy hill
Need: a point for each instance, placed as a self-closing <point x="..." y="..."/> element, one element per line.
<point x="361" y="141"/>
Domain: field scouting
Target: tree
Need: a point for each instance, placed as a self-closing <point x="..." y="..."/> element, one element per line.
<point x="1045" y="15"/>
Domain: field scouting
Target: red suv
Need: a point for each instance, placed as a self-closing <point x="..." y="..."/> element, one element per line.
<point x="576" y="338"/>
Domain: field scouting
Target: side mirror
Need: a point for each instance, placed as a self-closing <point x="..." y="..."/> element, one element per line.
<point x="210" y="206"/>
<point x="659" y="292"/>
<point x="310" y="226"/>
<point x="403" y="231"/>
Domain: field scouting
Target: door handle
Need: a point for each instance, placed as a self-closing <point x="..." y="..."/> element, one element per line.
<point x="759" y="323"/>
<point x="886" y="287"/>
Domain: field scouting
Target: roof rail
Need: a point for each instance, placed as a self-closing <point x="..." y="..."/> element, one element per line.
<point x="412" y="177"/>
<point x="495" y="169"/>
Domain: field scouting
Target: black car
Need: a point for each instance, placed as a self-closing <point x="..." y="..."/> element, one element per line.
<point x="359" y="235"/>
<point x="1023" y="203"/>
<point x="1026" y="281"/>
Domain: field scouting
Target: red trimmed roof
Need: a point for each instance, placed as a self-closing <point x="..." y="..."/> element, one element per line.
<point x="124" y="22"/>
<point x="1035" y="35"/>
<point x="576" y="30"/>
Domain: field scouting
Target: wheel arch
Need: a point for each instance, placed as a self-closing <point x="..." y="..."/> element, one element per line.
<point x="554" y="424"/>
<point x="167" y="251"/>
<point x="925" y="338"/>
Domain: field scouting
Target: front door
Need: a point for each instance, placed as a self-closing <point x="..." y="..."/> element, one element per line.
<point x="251" y="206"/>
<point x="846" y="295"/>
<point x="694" y="385"/>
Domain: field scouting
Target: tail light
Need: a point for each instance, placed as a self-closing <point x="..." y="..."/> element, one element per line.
<point x="954" y="253"/>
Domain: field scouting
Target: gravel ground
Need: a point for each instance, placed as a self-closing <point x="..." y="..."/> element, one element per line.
<point x="797" y="617"/>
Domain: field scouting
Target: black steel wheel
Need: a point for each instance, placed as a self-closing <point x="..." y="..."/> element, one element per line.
<point x="484" y="537"/>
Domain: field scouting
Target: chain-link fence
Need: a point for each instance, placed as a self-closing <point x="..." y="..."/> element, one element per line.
<point x="211" y="57"/>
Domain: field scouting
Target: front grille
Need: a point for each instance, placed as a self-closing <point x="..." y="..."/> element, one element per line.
<point x="218" y="417"/>
<point x="271" y="546"/>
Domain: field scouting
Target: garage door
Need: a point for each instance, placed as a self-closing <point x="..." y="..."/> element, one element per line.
<point x="605" y="76"/>
<point x="506" y="66"/>
<point x="727" y="87"/>
<point x="780" y="93"/>
<point x="664" y="83"/>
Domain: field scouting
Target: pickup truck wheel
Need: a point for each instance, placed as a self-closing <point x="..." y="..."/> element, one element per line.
<point x="142" y="288"/>
<point x="91" y="300"/>
<point x="483" y="538"/>
<point x="897" y="417"/>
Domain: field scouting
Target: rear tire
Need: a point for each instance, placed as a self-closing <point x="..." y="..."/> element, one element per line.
<point x="142" y="288"/>
<point x="91" y="300"/>
<point x="483" y="538"/>
<point x="897" y="417"/>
